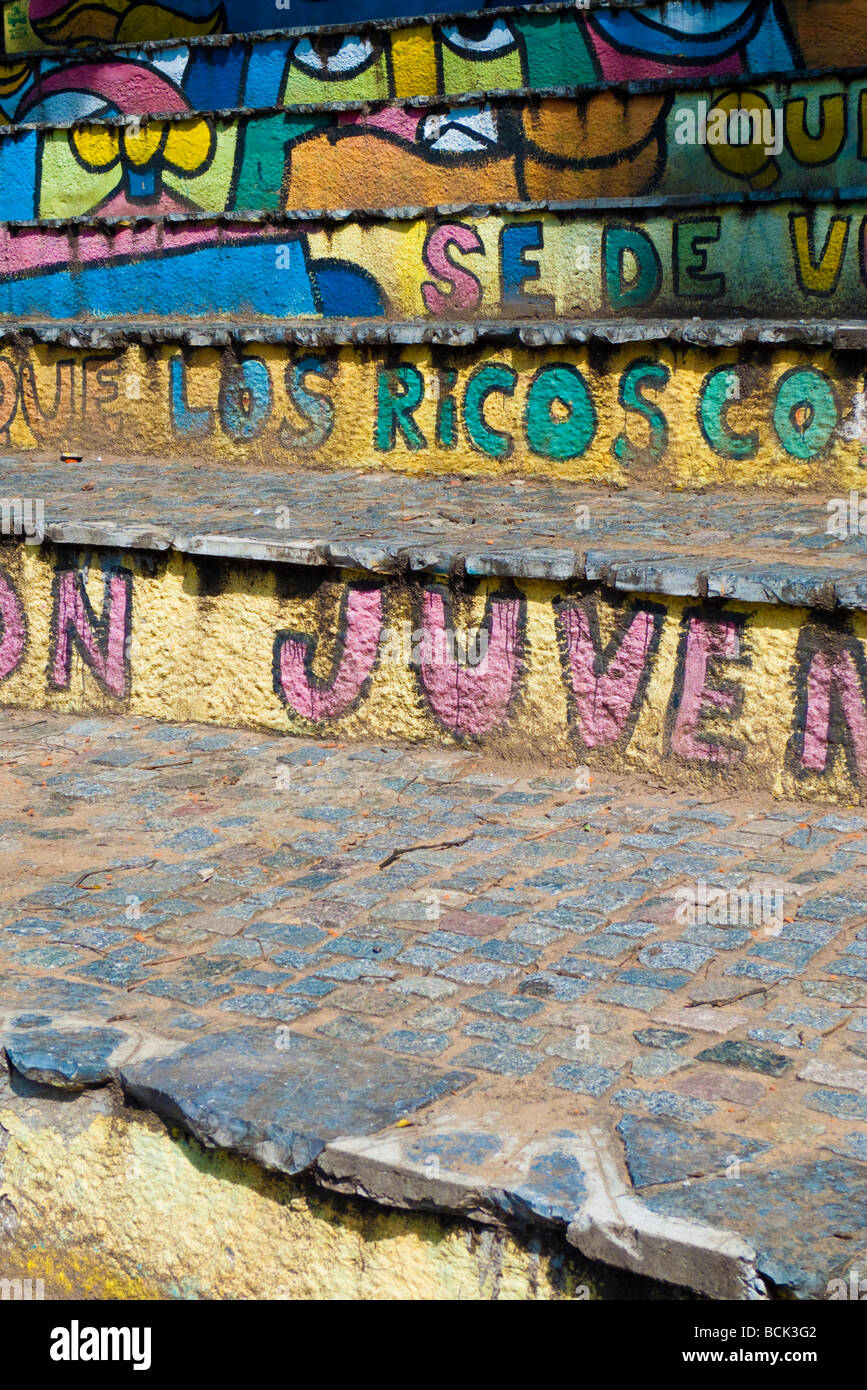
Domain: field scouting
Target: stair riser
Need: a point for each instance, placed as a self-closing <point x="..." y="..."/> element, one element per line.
<point x="561" y="49"/>
<point x="102" y="1195"/>
<point x="49" y="24"/>
<point x="647" y="413"/>
<point x="606" y="145"/>
<point x="721" y="260"/>
<point x="718" y="694"/>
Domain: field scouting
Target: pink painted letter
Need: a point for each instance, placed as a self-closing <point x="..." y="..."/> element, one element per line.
<point x="356" y="654"/>
<point x="466" y="292"/>
<point x="706" y="641"/>
<point x="101" y="642"/>
<point x="606" y="698"/>
<point x="470" y="700"/>
<point x="13" y="629"/>
<point x="828" y="675"/>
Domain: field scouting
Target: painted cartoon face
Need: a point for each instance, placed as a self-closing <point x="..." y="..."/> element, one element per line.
<point x="399" y="156"/>
<point x="479" y="55"/>
<point x="336" y="67"/>
<point x="88" y="21"/>
<point x="686" y="37"/>
<point x="143" y="156"/>
<point x="116" y="168"/>
<point x="473" y="55"/>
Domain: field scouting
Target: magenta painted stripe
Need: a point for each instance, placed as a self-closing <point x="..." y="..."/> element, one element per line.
<point x="629" y="67"/>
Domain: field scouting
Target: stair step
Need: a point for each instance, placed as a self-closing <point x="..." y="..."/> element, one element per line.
<point x="548" y="50"/>
<point x="558" y="983"/>
<point x="523" y="260"/>
<point x="46" y="24"/>
<point x="538" y="621"/>
<point x="667" y="403"/>
<point x="555" y="50"/>
<point x="778" y="549"/>
<point x="610" y="144"/>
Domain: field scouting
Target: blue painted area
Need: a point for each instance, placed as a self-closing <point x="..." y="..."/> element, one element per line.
<point x="18" y="176"/>
<point x="213" y="78"/>
<point x="245" y="401"/>
<point x="263" y="278"/>
<point x="60" y="107"/>
<point x="187" y="422"/>
<point x="346" y="291"/>
<point x="264" y="78"/>
<point x="244" y="15"/>
<point x="684" y="34"/>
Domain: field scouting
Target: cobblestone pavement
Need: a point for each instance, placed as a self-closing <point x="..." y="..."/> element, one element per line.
<point x="774" y="547"/>
<point x="292" y="945"/>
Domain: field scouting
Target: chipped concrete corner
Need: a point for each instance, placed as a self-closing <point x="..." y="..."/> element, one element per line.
<point x="101" y="1200"/>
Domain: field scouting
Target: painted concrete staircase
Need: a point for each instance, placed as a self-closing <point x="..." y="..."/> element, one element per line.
<point x="432" y="381"/>
<point x="345" y="266"/>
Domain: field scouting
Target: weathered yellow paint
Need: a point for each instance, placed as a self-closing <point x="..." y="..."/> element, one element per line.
<point x="201" y="645"/>
<point x="414" y="61"/>
<point x="168" y="404"/>
<point x="113" y="1206"/>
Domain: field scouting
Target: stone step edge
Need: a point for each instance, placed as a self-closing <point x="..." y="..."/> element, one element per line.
<point x="845" y="336"/>
<point x="719" y="578"/>
<point x="610" y="1223"/>
<point x="487" y="95"/>
<point x="410" y="212"/>
<point x="423" y="100"/>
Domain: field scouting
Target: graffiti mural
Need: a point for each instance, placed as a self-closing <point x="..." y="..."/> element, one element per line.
<point x="698" y="692"/>
<point x="603" y="145"/>
<point x="656" y="414"/>
<point x="146" y="142"/>
<point x="513" y="50"/>
<point x="681" y="35"/>
<point x="800" y="258"/>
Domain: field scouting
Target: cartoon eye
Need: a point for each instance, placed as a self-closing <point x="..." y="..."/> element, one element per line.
<point x="479" y="36"/>
<point x="466" y="130"/>
<point x="340" y="55"/>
